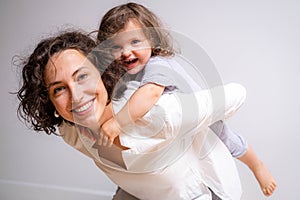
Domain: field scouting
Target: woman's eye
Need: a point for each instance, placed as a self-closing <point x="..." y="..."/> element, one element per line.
<point x="58" y="90"/>
<point x="81" y="77"/>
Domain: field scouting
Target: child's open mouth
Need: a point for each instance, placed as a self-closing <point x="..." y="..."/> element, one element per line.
<point x="130" y="63"/>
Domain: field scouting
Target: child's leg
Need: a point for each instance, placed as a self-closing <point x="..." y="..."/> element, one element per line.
<point x="224" y="101"/>
<point x="260" y="171"/>
<point x="205" y="107"/>
<point x="236" y="144"/>
<point x="239" y="149"/>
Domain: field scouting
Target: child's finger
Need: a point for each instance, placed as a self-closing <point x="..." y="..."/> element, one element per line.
<point x="110" y="142"/>
<point x="105" y="140"/>
<point x="85" y="132"/>
<point x="100" y="139"/>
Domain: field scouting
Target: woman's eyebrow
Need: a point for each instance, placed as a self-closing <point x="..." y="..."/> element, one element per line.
<point x="74" y="74"/>
<point x="78" y="70"/>
<point x="53" y="83"/>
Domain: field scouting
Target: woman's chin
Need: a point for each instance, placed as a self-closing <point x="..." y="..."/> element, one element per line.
<point x="89" y="122"/>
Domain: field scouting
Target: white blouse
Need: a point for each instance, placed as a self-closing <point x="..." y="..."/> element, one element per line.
<point x="172" y="153"/>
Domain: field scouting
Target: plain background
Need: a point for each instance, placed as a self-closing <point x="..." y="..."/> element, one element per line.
<point x="253" y="42"/>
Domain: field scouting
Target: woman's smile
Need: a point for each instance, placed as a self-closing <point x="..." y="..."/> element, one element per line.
<point x="82" y="110"/>
<point x="75" y="88"/>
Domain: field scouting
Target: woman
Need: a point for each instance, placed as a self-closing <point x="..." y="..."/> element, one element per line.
<point x="61" y="87"/>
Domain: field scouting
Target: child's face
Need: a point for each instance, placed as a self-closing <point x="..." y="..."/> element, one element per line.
<point x="132" y="47"/>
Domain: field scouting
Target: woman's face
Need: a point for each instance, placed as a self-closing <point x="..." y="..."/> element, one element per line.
<point x="75" y="88"/>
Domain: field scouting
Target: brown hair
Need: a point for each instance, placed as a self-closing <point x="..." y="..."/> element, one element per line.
<point x="35" y="106"/>
<point x="116" y="18"/>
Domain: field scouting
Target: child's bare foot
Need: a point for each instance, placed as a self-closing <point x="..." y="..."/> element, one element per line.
<point x="264" y="178"/>
<point x="260" y="171"/>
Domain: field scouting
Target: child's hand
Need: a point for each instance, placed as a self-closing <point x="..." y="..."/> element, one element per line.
<point x="109" y="131"/>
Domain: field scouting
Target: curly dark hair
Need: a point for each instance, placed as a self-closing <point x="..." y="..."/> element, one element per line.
<point x="35" y="106"/>
<point x="116" y="18"/>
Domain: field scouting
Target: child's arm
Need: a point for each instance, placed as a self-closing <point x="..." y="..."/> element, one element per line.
<point x="139" y="103"/>
<point x="136" y="107"/>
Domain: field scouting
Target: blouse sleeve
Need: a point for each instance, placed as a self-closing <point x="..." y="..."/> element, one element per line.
<point x="169" y="73"/>
<point x="70" y="135"/>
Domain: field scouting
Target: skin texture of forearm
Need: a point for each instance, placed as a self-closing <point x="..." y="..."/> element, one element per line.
<point x="139" y="103"/>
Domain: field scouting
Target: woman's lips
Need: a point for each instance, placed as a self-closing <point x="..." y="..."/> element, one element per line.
<point x="82" y="109"/>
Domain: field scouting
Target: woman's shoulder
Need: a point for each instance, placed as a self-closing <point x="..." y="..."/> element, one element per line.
<point x="69" y="133"/>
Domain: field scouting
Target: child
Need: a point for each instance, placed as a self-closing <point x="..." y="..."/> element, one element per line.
<point x="139" y="43"/>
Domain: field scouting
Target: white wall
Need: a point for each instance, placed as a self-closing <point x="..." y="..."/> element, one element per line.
<point x="252" y="42"/>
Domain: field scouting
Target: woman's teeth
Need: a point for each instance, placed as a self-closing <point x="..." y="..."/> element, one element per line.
<point x="83" y="108"/>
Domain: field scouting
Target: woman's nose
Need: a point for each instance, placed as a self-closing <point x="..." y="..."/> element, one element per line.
<point x="76" y="93"/>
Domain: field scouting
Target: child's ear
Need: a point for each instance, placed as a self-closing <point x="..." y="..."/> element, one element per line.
<point x="156" y="50"/>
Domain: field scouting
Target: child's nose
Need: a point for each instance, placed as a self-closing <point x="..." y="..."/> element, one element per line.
<point x="126" y="52"/>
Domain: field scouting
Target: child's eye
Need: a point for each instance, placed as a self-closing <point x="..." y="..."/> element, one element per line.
<point x="134" y="42"/>
<point x="116" y="47"/>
